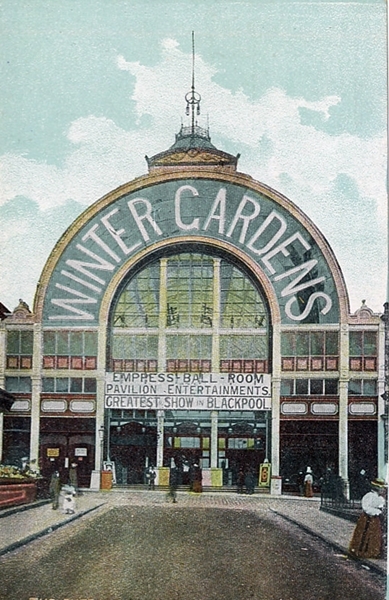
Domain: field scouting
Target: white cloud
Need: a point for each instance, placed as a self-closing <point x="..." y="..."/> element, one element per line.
<point x="301" y="161"/>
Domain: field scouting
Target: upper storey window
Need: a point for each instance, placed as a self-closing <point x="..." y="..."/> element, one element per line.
<point x="363" y="350"/>
<point x="19" y="349"/>
<point x="69" y="349"/>
<point x="310" y="351"/>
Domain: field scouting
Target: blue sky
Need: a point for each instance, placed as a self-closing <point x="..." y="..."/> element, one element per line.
<point x="90" y="87"/>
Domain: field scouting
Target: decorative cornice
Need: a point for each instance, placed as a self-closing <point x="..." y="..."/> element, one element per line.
<point x="21" y="314"/>
<point x="195" y="157"/>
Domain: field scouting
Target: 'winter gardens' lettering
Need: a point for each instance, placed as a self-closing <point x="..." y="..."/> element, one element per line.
<point x="123" y="230"/>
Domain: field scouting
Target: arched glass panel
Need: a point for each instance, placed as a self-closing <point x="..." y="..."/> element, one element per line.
<point x="190" y="312"/>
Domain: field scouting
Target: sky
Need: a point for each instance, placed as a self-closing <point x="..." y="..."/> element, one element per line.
<point x="91" y="87"/>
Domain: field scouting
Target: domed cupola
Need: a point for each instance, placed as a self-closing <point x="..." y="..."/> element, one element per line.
<point x="193" y="147"/>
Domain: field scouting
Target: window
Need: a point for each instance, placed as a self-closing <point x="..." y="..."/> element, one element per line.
<point x="69" y="349"/>
<point x="206" y="314"/>
<point x="306" y="387"/>
<point x="135" y="346"/>
<point x="362" y="387"/>
<point x="241" y="303"/>
<point x="66" y="385"/>
<point x="331" y="387"/>
<point x="316" y="386"/>
<point x="287" y="387"/>
<point x="18" y="384"/>
<point x="309" y="351"/>
<point x="363" y="350"/>
<point x="138" y="305"/>
<point x="70" y="343"/>
<point x="301" y="386"/>
<point x="190" y="291"/>
<point x="19" y="349"/>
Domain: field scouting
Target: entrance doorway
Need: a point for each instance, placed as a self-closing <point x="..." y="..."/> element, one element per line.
<point x="133" y="449"/>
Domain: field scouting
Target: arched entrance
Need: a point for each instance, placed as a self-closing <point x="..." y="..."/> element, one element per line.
<point x="193" y="312"/>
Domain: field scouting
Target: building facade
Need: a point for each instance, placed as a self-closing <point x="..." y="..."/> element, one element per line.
<point x="193" y="315"/>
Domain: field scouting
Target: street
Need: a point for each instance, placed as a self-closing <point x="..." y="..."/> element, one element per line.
<point x="176" y="552"/>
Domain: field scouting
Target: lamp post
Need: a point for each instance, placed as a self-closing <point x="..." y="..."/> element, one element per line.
<point x="101" y="439"/>
<point x="385" y="395"/>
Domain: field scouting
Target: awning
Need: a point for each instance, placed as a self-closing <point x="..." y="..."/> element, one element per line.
<point x="6" y="401"/>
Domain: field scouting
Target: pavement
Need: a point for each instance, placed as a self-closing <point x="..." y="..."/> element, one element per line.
<point x="21" y="525"/>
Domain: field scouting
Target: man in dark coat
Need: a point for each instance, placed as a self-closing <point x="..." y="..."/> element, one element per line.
<point x="173" y="483"/>
<point x="55" y="489"/>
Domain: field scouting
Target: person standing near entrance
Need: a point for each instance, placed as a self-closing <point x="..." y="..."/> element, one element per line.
<point x="55" y="489"/>
<point x="240" y="481"/>
<point x="249" y="481"/>
<point x="151" y="475"/>
<point x="73" y="479"/>
<point x="308" y="483"/>
<point x="173" y="483"/>
<point x="367" y="537"/>
<point x="197" y="479"/>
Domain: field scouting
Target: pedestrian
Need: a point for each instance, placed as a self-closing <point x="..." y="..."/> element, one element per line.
<point x="240" y="481"/>
<point x="300" y="483"/>
<point x="55" y="489"/>
<point x="249" y="481"/>
<point x="173" y="484"/>
<point x="308" y="483"/>
<point x="73" y="478"/>
<point x="366" y="541"/>
<point x="363" y="484"/>
<point x="197" y="479"/>
<point x="151" y="475"/>
<point x="69" y="502"/>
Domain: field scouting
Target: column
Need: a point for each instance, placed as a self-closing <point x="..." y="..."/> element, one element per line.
<point x="1" y="435"/>
<point x="99" y="422"/>
<point x="162" y="316"/>
<point x="343" y="406"/>
<point x="3" y="353"/>
<point x="275" y="419"/>
<point x="2" y="379"/>
<point x="214" y="439"/>
<point x="383" y="392"/>
<point x="35" y="397"/>
<point x="216" y="317"/>
<point x="160" y="436"/>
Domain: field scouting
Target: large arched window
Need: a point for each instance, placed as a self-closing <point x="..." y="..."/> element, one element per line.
<point x="189" y="312"/>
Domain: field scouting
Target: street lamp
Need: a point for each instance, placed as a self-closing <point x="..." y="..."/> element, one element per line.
<point x="101" y="438"/>
<point x="385" y="395"/>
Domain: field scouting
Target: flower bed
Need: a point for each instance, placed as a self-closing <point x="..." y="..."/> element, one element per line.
<point x="16" y="486"/>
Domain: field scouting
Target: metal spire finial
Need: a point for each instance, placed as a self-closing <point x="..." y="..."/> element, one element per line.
<point x="193" y="98"/>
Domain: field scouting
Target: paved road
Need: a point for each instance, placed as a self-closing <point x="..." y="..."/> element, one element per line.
<point x="134" y="552"/>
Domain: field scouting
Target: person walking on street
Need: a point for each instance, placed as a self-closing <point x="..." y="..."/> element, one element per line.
<point x="73" y="479"/>
<point x="55" y="489"/>
<point x="151" y="475"/>
<point x="173" y="483"/>
<point x="240" y="481"/>
<point x="308" y="483"/>
<point x="366" y="541"/>
<point x="363" y="484"/>
<point x="197" y="479"/>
